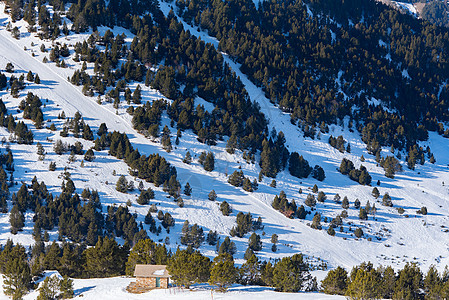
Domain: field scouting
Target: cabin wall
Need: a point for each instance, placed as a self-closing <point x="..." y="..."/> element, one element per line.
<point x="150" y="282"/>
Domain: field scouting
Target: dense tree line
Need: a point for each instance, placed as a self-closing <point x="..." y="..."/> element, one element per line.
<point x="367" y="282"/>
<point x="291" y="274"/>
<point x="107" y="258"/>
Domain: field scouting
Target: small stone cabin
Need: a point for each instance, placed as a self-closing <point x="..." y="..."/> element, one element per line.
<point x="151" y="276"/>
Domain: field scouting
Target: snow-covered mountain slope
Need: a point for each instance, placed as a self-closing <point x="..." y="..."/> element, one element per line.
<point x="390" y="238"/>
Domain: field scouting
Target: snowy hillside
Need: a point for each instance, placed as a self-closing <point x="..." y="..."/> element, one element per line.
<point x="400" y="237"/>
<point x="390" y="237"/>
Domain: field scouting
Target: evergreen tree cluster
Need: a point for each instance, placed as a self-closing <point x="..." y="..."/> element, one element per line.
<point x="338" y="143"/>
<point x="289" y="209"/>
<point x="192" y="235"/>
<point x="188" y="61"/>
<point x="291" y="274"/>
<point x="239" y="180"/>
<point x="245" y="224"/>
<point x="6" y="167"/>
<point x="152" y="168"/>
<point x="78" y="127"/>
<point x="298" y="166"/>
<point x="391" y="166"/>
<point x="31" y="109"/>
<point x="19" y="130"/>
<point x="367" y="282"/>
<point x="360" y="175"/>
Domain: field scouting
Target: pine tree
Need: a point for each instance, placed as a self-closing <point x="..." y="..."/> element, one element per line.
<point x="409" y="282"/>
<point x="66" y="288"/>
<point x="363" y="214"/>
<point x="358" y="232"/>
<point x="254" y="242"/>
<point x="212" y="196"/>
<point x="16" y="273"/>
<point x="225" y="208"/>
<point x="209" y="162"/>
<point x="145" y="196"/>
<point x="433" y="283"/>
<point x="318" y="173"/>
<point x="30" y="76"/>
<point x="187" y="158"/>
<point x="316" y="222"/>
<point x="298" y="166"/>
<point x="274" y="238"/>
<point x="89" y="155"/>
<point x="365" y="283"/>
<point x="49" y="289"/>
<point x="345" y="203"/>
<point x="146" y="251"/>
<point x="386" y="200"/>
<point x="291" y="274"/>
<point x="187" y="268"/>
<point x="40" y="151"/>
<point x="16" y="219"/>
<point x="106" y="259"/>
<point x="236" y="178"/>
<point x="122" y="184"/>
<point x="247" y="185"/>
<point x="375" y="193"/>
<point x="335" y="282"/>
<point x="187" y="190"/>
<point x="227" y="247"/>
<point x="223" y="273"/>
<point x="250" y="272"/>
<point x="321" y="197"/>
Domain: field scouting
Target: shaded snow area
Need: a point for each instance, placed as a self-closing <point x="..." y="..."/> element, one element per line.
<point x="390" y="238"/>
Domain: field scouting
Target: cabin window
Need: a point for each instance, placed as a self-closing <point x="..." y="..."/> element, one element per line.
<point x="158" y="282"/>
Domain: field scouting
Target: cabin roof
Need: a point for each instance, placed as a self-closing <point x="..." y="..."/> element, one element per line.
<point x="151" y="271"/>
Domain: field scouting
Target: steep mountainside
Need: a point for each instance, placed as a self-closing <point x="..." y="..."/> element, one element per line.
<point x="273" y="128"/>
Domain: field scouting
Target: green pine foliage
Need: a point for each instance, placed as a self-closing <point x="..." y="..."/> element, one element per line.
<point x="335" y="282"/>
<point x="192" y="235"/>
<point x="225" y="208"/>
<point x="16" y="219"/>
<point x="148" y="252"/>
<point x="254" y="242"/>
<point x="223" y="272"/>
<point x="227" y="246"/>
<point x="244" y="224"/>
<point x="360" y="175"/>
<point x="187" y="268"/>
<point x="106" y="258"/>
<point x="16" y="271"/>
<point x="145" y="196"/>
<point x="291" y="274"/>
<point x="298" y="166"/>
